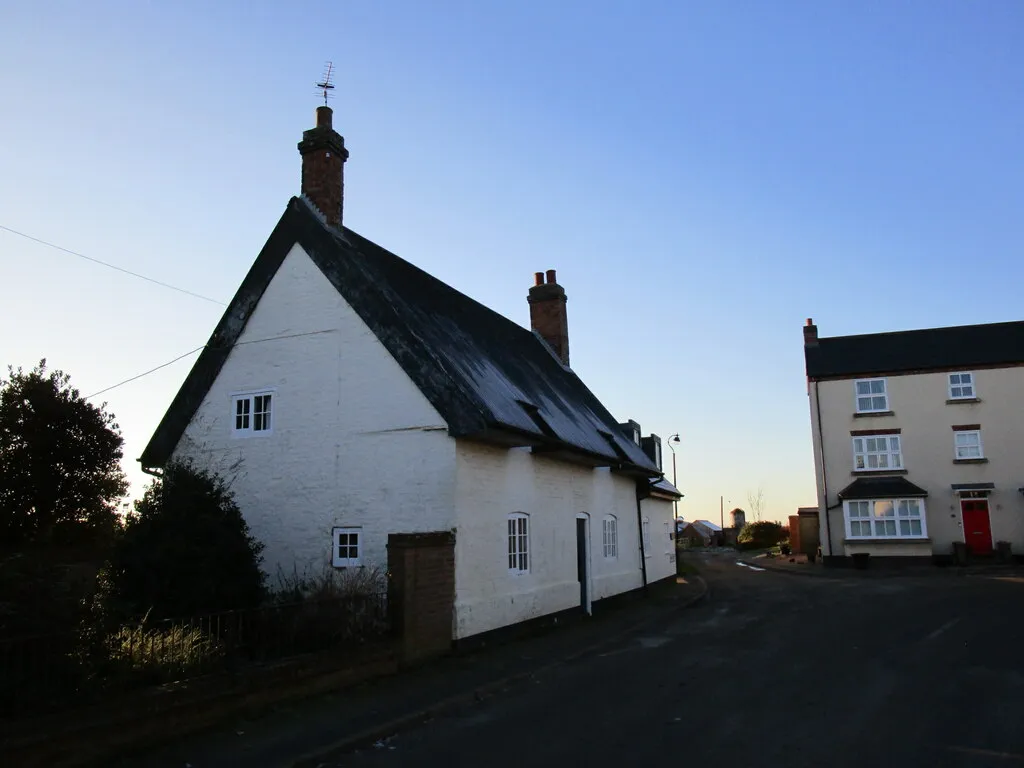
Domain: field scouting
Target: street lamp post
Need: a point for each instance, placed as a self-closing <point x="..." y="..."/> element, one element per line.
<point x="675" y="504"/>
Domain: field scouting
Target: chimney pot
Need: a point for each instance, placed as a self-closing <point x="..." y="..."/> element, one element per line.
<point x="538" y="278"/>
<point x="323" y="117"/>
<point x="551" y="276"/>
<point x="810" y="321"/>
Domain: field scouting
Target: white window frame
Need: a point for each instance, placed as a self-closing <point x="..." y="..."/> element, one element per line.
<point x="956" y="446"/>
<point x="893" y="459"/>
<point x="883" y="394"/>
<point x="610" y="536"/>
<point x="877" y="524"/>
<point x="961" y="385"/>
<point x="250" y="398"/>
<point x="346" y="561"/>
<point x="646" y="530"/>
<point x="517" y="536"/>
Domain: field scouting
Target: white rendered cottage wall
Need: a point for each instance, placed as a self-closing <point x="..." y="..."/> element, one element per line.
<point x="661" y="556"/>
<point x="493" y="483"/>
<point x="353" y="441"/>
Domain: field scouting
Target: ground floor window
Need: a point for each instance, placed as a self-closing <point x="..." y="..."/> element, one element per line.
<point x="347" y="547"/>
<point x="885" y="519"/>
<point x="610" y="536"/>
<point x="518" y="543"/>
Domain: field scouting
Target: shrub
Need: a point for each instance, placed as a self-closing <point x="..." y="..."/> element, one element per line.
<point x="162" y="655"/>
<point x="761" y="535"/>
<point x="186" y="550"/>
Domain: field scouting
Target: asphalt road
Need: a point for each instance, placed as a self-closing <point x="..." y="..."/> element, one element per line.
<point x="773" y="669"/>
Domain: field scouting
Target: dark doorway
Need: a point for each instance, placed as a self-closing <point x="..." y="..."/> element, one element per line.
<point x="581" y="563"/>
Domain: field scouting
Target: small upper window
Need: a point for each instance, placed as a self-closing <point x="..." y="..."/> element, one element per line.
<point x="346" y="546"/>
<point x="518" y="543"/>
<point x="871" y="396"/>
<point x="252" y="414"/>
<point x="961" y="386"/>
<point x="610" y="532"/>
<point x="968" y="444"/>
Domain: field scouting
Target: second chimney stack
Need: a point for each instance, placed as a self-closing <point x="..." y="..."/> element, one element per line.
<point x="548" y="315"/>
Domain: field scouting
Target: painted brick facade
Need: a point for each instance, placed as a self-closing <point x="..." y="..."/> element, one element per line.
<point x="354" y="443"/>
<point x="493" y="483"/>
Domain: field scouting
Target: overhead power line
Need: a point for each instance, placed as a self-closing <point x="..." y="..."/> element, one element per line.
<point x="113" y="266"/>
<point x="201" y="347"/>
<point x="146" y="373"/>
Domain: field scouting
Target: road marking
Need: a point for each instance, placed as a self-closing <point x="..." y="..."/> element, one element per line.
<point x="987" y="753"/>
<point x="942" y="629"/>
<point x="751" y="567"/>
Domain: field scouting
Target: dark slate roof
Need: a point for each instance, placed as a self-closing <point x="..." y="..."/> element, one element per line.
<point x="962" y="346"/>
<point x="481" y="371"/>
<point x="881" y="488"/>
<point x="663" y="486"/>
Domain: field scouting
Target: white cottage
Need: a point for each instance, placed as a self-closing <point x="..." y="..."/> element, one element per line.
<point x="359" y="396"/>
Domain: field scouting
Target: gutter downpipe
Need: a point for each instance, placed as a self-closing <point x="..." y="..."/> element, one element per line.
<point x="824" y="473"/>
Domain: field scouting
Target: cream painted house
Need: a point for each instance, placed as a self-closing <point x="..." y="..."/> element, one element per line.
<point x="358" y="396"/>
<point x="918" y="440"/>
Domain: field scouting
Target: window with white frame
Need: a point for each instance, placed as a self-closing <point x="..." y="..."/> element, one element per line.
<point x="871" y="395"/>
<point x="961" y="386"/>
<point x="885" y="519"/>
<point x="610" y="536"/>
<point x="968" y="444"/>
<point x="252" y="414"/>
<point x="646" y="525"/>
<point x="518" y="543"/>
<point x="877" y="452"/>
<point x="347" y="547"/>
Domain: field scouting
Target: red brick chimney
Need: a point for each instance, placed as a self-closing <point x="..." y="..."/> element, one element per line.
<point x="810" y="334"/>
<point x="323" y="167"/>
<point x="547" y="313"/>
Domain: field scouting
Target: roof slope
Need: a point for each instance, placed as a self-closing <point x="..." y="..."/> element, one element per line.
<point x="476" y="367"/>
<point x="928" y="349"/>
<point x="881" y="488"/>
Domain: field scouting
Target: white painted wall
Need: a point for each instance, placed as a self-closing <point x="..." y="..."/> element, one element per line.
<point x="661" y="558"/>
<point x="921" y="412"/>
<point x="492" y="483"/>
<point x="354" y="442"/>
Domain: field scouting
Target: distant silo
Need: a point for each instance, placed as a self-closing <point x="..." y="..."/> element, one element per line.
<point x="739" y="518"/>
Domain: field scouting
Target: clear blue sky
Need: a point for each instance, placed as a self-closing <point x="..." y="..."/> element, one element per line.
<point x="704" y="176"/>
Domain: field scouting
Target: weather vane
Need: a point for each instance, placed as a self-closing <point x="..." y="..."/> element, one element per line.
<point x="326" y="85"/>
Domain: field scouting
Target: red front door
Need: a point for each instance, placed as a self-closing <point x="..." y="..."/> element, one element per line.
<point x="977" y="530"/>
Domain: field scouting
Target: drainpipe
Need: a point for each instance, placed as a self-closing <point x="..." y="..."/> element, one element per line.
<point x="824" y="473"/>
<point x="640" y="495"/>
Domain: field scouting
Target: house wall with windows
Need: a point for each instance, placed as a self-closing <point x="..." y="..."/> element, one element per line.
<point x="937" y="429"/>
<point x="352" y="444"/>
<point x="493" y="589"/>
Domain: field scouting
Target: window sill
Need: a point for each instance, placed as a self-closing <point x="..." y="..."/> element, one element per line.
<point x="889" y="540"/>
<point x="869" y="414"/>
<point x="970" y="461"/>
<point x="875" y="472"/>
<point x="959" y="400"/>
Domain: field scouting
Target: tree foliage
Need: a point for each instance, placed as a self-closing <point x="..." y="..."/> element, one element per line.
<point x="761" y="534"/>
<point x="60" y="472"/>
<point x="186" y="550"/>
